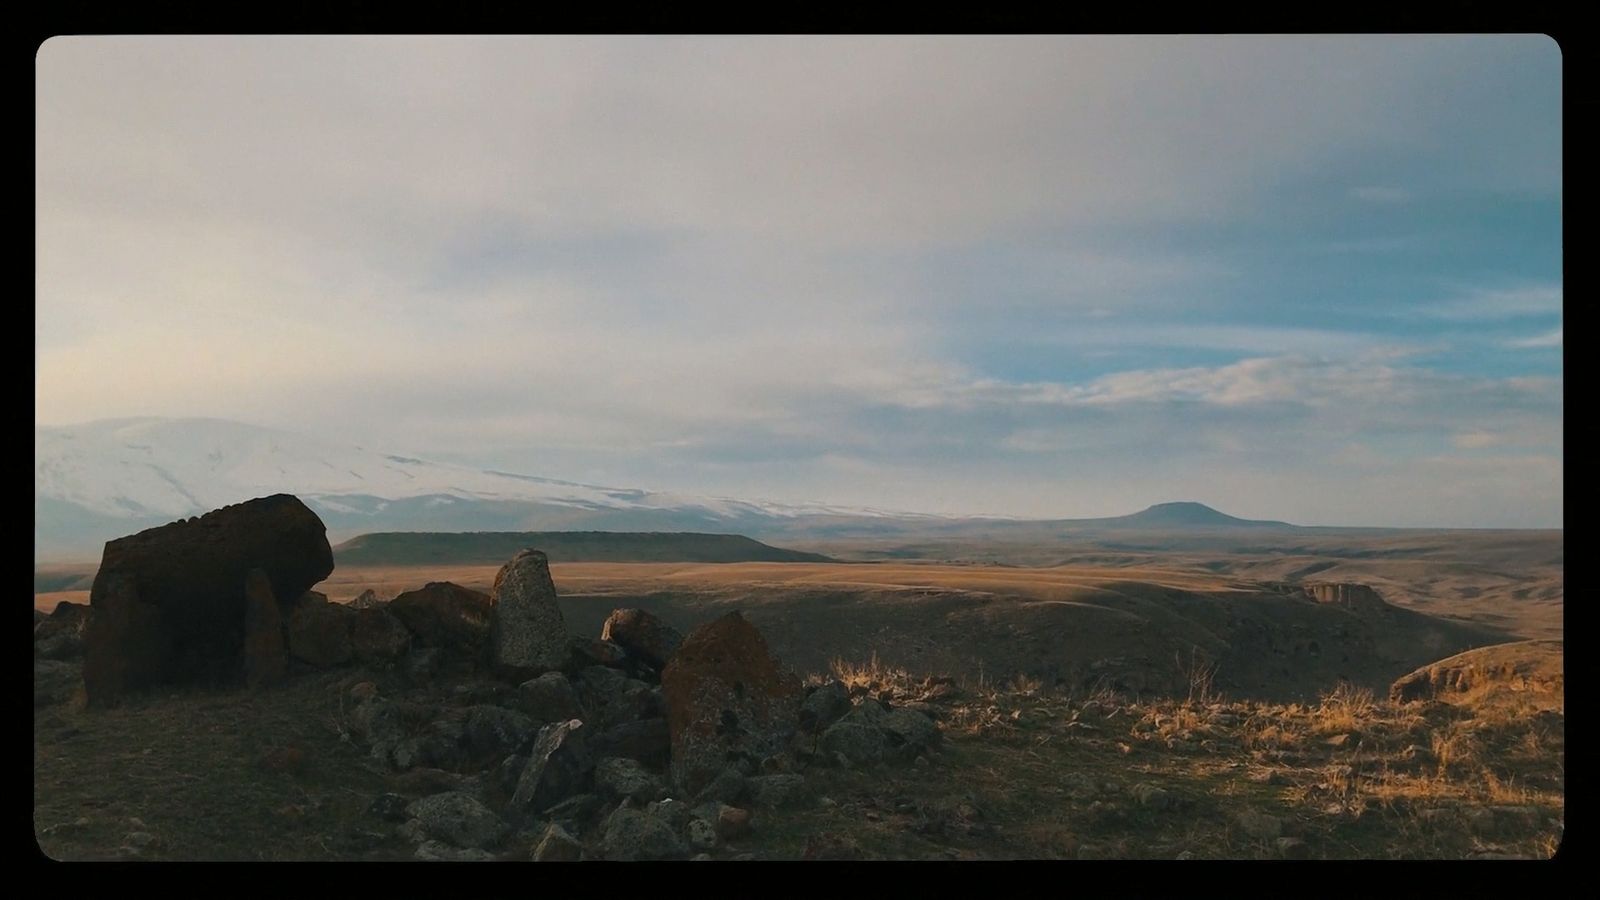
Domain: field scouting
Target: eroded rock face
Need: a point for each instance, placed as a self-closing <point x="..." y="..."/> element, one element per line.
<point x="1351" y="596"/>
<point x="1535" y="667"/>
<point x="174" y="596"/>
<point x="727" y="699"/>
<point x="446" y="615"/>
<point x="528" y="636"/>
<point x="643" y="635"/>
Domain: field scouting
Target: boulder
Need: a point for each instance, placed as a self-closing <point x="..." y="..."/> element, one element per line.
<point x="549" y="698"/>
<point x="559" y="767"/>
<point x="491" y="732"/>
<point x="775" y="791"/>
<point x="378" y="637"/>
<point x="446" y="616"/>
<point x="174" y="599"/>
<point x="527" y="635"/>
<point x="643" y="635"/>
<point x="367" y="599"/>
<point x="266" y="653"/>
<point x="620" y="778"/>
<point x="910" y="732"/>
<point x="633" y="834"/>
<point x="726" y="699"/>
<point x="702" y="835"/>
<point x="320" y="633"/>
<point x="857" y="743"/>
<point x="459" y="819"/>
<point x="647" y="740"/>
<point x="60" y="635"/>
<point x="824" y="706"/>
<point x="557" y="845"/>
<point x="727" y="787"/>
<point x="583" y="652"/>
<point x="611" y="698"/>
<point x="54" y="681"/>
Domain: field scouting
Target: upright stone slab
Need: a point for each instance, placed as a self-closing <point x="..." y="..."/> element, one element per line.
<point x="527" y="635"/>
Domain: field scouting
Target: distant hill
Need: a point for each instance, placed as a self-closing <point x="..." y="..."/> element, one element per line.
<point x="1180" y="515"/>
<point x="465" y="548"/>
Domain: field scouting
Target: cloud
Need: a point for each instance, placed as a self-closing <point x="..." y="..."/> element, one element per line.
<point x="1542" y="341"/>
<point x="1499" y="304"/>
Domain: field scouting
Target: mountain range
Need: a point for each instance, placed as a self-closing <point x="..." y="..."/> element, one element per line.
<point x="100" y="480"/>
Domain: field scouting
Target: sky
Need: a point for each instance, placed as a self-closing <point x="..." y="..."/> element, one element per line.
<point x="1316" y="278"/>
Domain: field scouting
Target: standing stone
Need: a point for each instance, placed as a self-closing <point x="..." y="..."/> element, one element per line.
<point x="643" y="635"/>
<point x="266" y="658"/>
<point x="180" y="588"/>
<point x="727" y="700"/>
<point x="527" y="635"/>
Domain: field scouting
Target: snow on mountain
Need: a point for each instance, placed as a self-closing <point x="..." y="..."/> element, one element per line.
<point x="169" y="468"/>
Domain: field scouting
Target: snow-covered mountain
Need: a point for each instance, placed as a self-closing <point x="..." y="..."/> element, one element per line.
<point x="99" y="480"/>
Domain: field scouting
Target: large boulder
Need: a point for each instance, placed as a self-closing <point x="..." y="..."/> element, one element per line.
<point x="560" y="766"/>
<point x="446" y="615"/>
<point x="643" y="635"/>
<point x="527" y="635"/>
<point x="459" y="819"/>
<point x="633" y="834"/>
<point x="266" y="654"/>
<point x="549" y="698"/>
<point x="646" y="740"/>
<point x="727" y="700"/>
<point x="320" y="633"/>
<point x="620" y="778"/>
<point x="611" y="698"/>
<point x="176" y="594"/>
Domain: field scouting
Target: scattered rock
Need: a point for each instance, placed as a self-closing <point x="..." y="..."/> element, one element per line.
<point x="824" y="706"/>
<point x="726" y="698"/>
<point x="646" y="740"/>
<point x="633" y="834"/>
<point x="528" y="635"/>
<point x="459" y="819"/>
<point x="491" y="732"/>
<point x="855" y="743"/>
<point x="557" y="845"/>
<point x="559" y="766"/>
<point x="611" y="698"/>
<point x="389" y="807"/>
<point x="54" y="681"/>
<point x="320" y="633"/>
<point x="549" y="698"/>
<point x="434" y="851"/>
<point x="775" y="791"/>
<point x="643" y="635"/>
<point x="702" y="835"/>
<point x="378" y="637"/>
<point x="1152" y="797"/>
<point x="446" y="615"/>
<point x="1259" y="825"/>
<point x="625" y="779"/>
<point x="732" y="822"/>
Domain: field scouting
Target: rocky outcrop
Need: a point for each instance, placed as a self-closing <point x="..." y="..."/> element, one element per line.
<point x="1534" y="667"/>
<point x="174" y="596"/>
<point x="1358" y="598"/>
<point x="447" y="616"/>
<point x="528" y="636"/>
<point x="726" y="700"/>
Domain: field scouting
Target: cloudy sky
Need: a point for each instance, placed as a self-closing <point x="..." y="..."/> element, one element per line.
<point x="1314" y="279"/>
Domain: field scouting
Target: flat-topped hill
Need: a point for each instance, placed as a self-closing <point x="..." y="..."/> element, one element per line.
<point x="401" y="548"/>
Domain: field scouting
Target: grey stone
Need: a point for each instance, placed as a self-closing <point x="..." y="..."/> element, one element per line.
<point x="459" y="819"/>
<point x="557" y="845"/>
<point x="527" y="634"/>
<point x="728" y="787"/>
<point x="775" y="791"/>
<point x="549" y="698"/>
<point x="824" y="706"/>
<point x="702" y="835"/>
<point x="856" y="743"/>
<point x="621" y="778"/>
<point x="633" y="834"/>
<point x="434" y="851"/>
<point x="493" y="731"/>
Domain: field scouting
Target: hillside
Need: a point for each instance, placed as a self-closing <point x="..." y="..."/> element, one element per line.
<point x="434" y="548"/>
